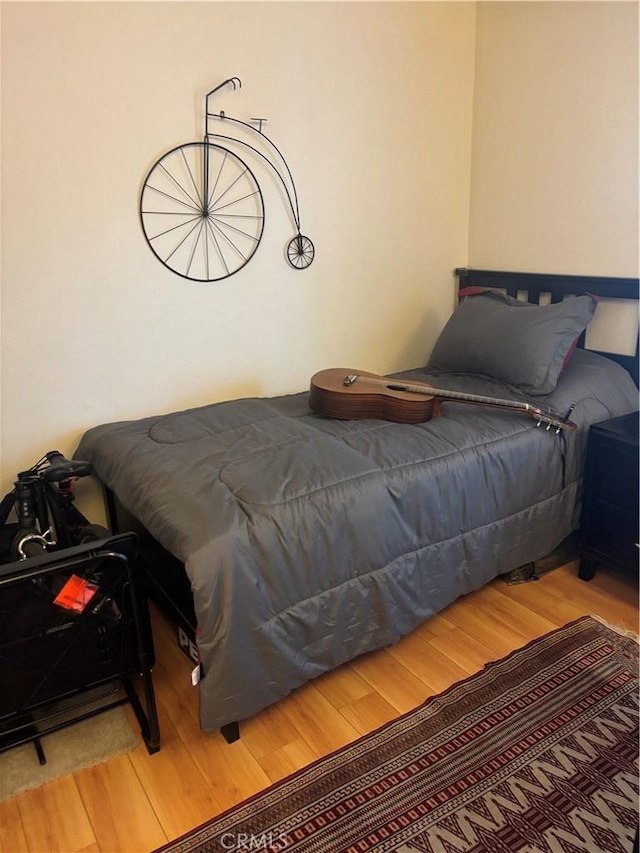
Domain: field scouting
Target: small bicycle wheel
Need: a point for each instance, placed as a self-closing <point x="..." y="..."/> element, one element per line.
<point x="26" y="544"/>
<point x="92" y="533"/>
<point x="300" y="252"/>
<point x="202" y="211"/>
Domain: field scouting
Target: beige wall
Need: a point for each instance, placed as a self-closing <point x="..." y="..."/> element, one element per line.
<point x="555" y="138"/>
<point x="373" y="105"/>
<point x="369" y="102"/>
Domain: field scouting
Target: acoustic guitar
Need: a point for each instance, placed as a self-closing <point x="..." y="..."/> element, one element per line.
<point x="342" y="393"/>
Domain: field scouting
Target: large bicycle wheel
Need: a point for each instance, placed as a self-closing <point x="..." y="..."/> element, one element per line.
<point x="202" y="211"/>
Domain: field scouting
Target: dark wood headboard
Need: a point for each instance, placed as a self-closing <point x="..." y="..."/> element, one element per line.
<point x="558" y="286"/>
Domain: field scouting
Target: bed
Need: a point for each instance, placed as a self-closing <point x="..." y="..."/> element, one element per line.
<point x="290" y="542"/>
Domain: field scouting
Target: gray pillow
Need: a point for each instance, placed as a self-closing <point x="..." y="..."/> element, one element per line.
<point x="520" y="343"/>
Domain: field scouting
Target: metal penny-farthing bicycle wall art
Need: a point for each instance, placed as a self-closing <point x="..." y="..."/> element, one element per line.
<point x="201" y="207"/>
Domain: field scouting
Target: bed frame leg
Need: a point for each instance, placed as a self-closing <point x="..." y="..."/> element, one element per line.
<point x="230" y="732"/>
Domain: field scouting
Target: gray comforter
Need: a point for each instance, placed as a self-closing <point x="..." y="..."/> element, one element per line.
<point x="309" y="541"/>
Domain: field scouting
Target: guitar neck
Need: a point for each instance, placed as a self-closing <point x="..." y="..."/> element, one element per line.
<point x="415" y="388"/>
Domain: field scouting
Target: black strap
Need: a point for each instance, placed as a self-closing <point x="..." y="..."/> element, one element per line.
<point x="563" y="456"/>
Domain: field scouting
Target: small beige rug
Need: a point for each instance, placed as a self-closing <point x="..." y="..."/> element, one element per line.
<point x="80" y="745"/>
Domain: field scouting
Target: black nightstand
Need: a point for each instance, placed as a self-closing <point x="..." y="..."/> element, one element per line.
<point x="609" y="525"/>
<point x="62" y="659"/>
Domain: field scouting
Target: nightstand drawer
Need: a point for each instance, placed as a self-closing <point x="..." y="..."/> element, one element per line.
<point x="614" y="468"/>
<point x="612" y="533"/>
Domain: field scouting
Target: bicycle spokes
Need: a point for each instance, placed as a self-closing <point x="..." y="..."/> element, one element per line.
<point x="300" y="252"/>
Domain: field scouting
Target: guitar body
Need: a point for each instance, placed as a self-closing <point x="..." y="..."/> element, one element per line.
<point x="372" y="396"/>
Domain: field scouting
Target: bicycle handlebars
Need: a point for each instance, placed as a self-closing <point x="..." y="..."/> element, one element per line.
<point x="43" y="501"/>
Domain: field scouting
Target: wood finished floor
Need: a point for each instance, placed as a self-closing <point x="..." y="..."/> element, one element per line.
<point x="137" y="802"/>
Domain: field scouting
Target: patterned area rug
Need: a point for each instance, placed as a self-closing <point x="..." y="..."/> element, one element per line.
<point x="535" y="754"/>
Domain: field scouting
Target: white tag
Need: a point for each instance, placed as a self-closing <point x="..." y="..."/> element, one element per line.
<point x="196" y="674"/>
